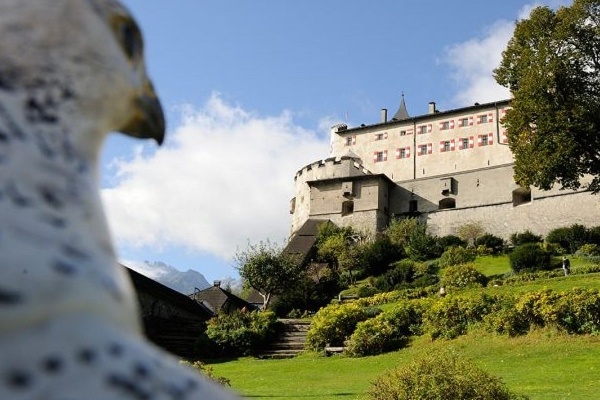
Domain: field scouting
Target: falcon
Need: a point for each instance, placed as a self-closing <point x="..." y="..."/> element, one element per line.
<point x="71" y="71"/>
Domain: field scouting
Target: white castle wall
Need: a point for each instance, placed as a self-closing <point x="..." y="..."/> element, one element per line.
<point x="540" y="216"/>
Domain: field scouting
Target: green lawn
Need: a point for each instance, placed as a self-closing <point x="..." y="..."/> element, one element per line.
<point x="543" y="365"/>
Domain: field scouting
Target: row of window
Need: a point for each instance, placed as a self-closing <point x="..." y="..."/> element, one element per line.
<point x="444" y="146"/>
<point x="428" y="128"/>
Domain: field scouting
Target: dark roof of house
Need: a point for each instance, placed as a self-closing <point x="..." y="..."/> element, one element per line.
<point x="303" y="240"/>
<point x="217" y="298"/>
<point x="144" y="284"/>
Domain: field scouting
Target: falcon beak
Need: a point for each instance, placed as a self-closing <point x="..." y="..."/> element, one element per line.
<point x="148" y="120"/>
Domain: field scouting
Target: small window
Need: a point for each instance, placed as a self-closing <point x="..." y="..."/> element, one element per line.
<point x="463" y="122"/>
<point x="422" y="129"/>
<point x="521" y="196"/>
<point x="413" y="206"/>
<point x="402" y="133"/>
<point x="447" y="145"/>
<point x="423" y="149"/>
<point x="347" y="207"/>
<point x="349" y="141"/>
<point x="483" y="119"/>
<point x="446" y="203"/>
<point x="402" y="153"/>
<point x="445" y="125"/>
<point x="379" y="136"/>
<point x="484" y="140"/>
<point x="465" y="143"/>
<point x="379" y="156"/>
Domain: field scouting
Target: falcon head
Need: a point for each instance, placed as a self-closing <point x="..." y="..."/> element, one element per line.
<point x="81" y="61"/>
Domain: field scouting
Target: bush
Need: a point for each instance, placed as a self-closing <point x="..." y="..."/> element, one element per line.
<point x="462" y="276"/>
<point x="450" y="317"/>
<point x="420" y="246"/>
<point x="456" y="256"/>
<point x="518" y="239"/>
<point x="440" y="375"/>
<point x="589" y="252"/>
<point x="530" y="256"/>
<point x="494" y="243"/>
<point x="333" y="324"/>
<point x="400" y="275"/>
<point x="379" y="254"/>
<point x="207" y="371"/>
<point x="239" y="333"/>
<point x="572" y="238"/>
<point x="386" y="332"/>
<point x="450" y="241"/>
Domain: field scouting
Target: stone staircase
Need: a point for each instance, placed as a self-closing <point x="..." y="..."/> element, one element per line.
<point x="291" y="341"/>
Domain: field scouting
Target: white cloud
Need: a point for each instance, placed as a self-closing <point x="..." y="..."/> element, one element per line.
<point x="225" y="177"/>
<point x="474" y="60"/>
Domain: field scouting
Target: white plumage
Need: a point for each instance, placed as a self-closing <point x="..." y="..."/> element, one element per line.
<point x="70" y="72"/>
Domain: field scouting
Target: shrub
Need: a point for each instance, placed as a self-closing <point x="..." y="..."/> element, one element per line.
<point x="456" y="256"/>
<point x="386" y="332"/>
<point x="379" y="254"/>
<point x="530" y="256"/>
<point x="494" y="243"/>
<point x="333" y="324"/>
<point x="420" y="246"/>
<point x="589" y="252"/>
<point x="440" y="375"/>
<point x="518" y="239"/>
<point x="401" y="274"/>
<point x="571" y="238"/>
<point x="240" y="333"/>
<point x="207" y="371"/>
<point x="450" y="317"/>
<point x="464" y="275"/>
<point x="559" y="237"/>
<point x="451" y="240"/>
<point x="578" y="311"/>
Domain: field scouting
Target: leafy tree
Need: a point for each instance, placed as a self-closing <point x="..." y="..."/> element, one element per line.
<point x="400" y="229"/>
<point x="421" y="246"/>
<point x="470" y="232"/>
<point x="269" y="270"/>
<point x="552" y="68"/>
<point x="342" y="253"/>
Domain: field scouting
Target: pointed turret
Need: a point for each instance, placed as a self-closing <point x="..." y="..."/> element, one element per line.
<point x="401" y="113"/>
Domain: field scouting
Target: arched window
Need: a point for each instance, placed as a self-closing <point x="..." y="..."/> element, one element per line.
<point x="521" y="196"/>
<point x="448" y="202"/>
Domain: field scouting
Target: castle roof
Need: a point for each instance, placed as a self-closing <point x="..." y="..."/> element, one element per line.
<point x="401" y="113"/>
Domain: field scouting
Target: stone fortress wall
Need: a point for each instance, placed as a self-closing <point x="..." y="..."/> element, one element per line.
<point x="448" y="168"/>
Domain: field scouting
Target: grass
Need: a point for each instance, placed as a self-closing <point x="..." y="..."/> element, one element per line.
<point x="544" y="364"/>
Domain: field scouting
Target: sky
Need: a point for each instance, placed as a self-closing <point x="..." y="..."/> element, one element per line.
<point x="250" y="90"/>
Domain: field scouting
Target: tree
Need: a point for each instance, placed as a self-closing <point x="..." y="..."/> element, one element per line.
<point x="470" y="232"/>
<point x="268" y="270"/>
<point x="342" y="254"/>
<point x="552" y="68"/>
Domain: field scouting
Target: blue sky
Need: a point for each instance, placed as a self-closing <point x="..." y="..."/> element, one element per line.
<point x="250" y="90"/>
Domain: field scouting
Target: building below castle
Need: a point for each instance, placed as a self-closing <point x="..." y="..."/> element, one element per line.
<point x="448" y="168"/>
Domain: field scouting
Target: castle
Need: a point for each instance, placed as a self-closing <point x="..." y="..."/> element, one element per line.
<point x="448" y="168"/>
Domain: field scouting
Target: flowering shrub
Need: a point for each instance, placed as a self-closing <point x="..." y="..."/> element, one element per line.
<point x="461" y="276"/>
<point x="333" y="324"/>
<point x="440" y="375"/>
<point x="387" y="331"/>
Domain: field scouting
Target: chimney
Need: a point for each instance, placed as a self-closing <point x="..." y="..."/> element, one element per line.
<point x="383" y="115"/>
<point x="432" y="109"/>
<point x="217" y="283"/>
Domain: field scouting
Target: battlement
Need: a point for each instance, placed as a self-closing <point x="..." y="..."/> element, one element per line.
<point x="332" y="167"/>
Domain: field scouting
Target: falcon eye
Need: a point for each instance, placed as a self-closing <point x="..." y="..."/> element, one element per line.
<point x="130" y="38"/>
